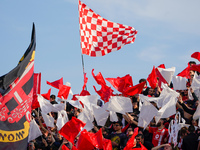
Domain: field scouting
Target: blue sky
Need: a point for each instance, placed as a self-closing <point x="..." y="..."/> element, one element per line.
<point x="168" y="32"/>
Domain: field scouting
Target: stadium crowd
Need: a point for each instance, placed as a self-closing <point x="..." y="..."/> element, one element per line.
<point x="156" y="136"/>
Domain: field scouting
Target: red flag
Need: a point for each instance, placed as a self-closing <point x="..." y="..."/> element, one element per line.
<point x="195" y="67"/>
<point x="107" y="144"/>
<point x="121" y="83"/>
<point x="105" y="92"/>
<point x="137" y="89"/>
<point x="160" y="78"/>
<point x="130" y="144"/>
<point x="89" y="140"/>
<point x="84" y="93"/>
<point x="47" y="95"/>
<point x="161" y="66"/>
<point x="196" y="55"/>
<point x="99" y="78"/>
<point x="124" y="129"/>
<point x="100" y="36"/>
<point x="56" y="83"/>
<point x="185" y="73"/>
<point x="85" y="81"/>
<point x="152" y="78"/>
<point x="36" y="89"/>
<point x="63" y="91"/>
<point x="71" y="129"/>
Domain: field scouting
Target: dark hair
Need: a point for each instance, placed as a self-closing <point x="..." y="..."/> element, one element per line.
<point x="120" y="123"/>
<point x="53" y="96"/>
<point x="192" y="62"/>
<point x="191" y="128"/>
<point x="142" y="80"/>
<point x="140" y="135"/>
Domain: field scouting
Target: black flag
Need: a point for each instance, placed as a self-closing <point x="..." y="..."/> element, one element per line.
<point x="15" y="101"/>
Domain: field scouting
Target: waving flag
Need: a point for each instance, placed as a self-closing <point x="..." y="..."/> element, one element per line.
<point x="196" y="55"/>
<point x="56" y="83"/>
<point x="152" y="78"/>
<point x="121" y="83"/>
<point x="100" y="36"/>
<point x="16" y="100"/>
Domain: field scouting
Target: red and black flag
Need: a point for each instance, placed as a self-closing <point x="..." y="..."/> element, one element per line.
<point x="16" y="97"/>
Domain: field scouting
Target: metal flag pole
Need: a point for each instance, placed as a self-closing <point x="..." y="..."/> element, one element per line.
<point x="83" y="70"/>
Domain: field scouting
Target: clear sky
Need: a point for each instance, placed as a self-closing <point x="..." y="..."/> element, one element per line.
<point x="168" y="32"/>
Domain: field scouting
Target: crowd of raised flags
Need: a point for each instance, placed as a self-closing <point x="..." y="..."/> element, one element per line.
<point x="164" y="114"/>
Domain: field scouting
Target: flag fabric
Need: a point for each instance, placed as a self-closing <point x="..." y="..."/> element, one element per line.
<point x="62" y="119"/>
<point x="107" y="144"/>
<point x="85" y="81"/>
<point x="47" y="95"/>
<point x="152" y="78"/>
<point x="185" y="72"/>
<point x="120" y="104"/>
<point x="105" y="92"/>
<point x="167" y="73"/>
<point x="161" y="66"/>
<point x="63" y="92"/>
<point x="130" y="144"/>
<point x="195" y="67"/>
<point x="147" y="112"/>
<point x="16" y="99"/>
<point x="179" y="83"/>
<point x="36" y="89"/>
<point x="88" y="140"/>
<point x="34" y="131"/>
<point x="196" y="55"/>
<point x="100" y="36"/>
<point x="56" y="83"/>
<point x="136" y="89"/>
<point x="121" y="83"/>
<point x="71" y="129"/>
<point x="99" y="78"/>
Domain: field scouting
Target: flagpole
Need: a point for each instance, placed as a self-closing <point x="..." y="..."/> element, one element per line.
<point x="83" y="69"/>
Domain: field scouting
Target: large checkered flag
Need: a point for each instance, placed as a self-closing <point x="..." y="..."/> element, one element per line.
<point x="16" y="97"/>
<point x="100" y="36"/>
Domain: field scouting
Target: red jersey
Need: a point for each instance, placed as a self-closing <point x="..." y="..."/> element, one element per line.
<point x="158" y="135"/>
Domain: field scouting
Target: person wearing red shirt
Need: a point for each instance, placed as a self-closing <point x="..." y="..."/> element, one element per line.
<point x="160" y="133"/>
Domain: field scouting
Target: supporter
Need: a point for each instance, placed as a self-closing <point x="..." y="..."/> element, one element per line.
<point x="53" y="99"/>
<point x="117" y="138"/>
<point x="146" y="88"/>
<point x="181" y="134"/>
<point x="140" y="139"/>
<point x="190" y="141"/>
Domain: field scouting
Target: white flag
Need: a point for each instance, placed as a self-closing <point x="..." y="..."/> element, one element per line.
<point x="148" y="111"/>
<point x="34" y="131"/>
<point x="179" y="83"/>
<point x="167" y="73"/>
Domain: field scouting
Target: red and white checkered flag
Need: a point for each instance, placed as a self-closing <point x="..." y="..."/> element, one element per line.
<point x="100" y="36"/>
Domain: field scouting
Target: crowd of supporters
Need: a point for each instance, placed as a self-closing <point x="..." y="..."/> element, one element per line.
<point x="154" y="136"/>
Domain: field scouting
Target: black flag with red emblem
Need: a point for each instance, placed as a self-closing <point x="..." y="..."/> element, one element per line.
<point x="16" y="95"/>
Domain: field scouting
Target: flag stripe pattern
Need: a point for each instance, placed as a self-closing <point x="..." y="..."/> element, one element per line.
<point x="100" y="36"/>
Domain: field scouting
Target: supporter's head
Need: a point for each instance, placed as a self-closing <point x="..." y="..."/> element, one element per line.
<point x="139" y="138"/>
<point x="191" y="129"/>
<point x="151" y="91"/>
<point x="183" y="132"/>
<point x="134" y="102"/>
<point x="192" y="72"/>
<point x="168" y="147"/>
<point x="130" y="131"/>
<point x="192" y="63"/>
<point x="160" y="122"/>
<point x="194" y="122"/>
<point x="77" y="112"/>
<point x="31" y="146"/>
<point x="117" y="126"/>
<point x="52" y="98"/>
<point x="49" y="138"/>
